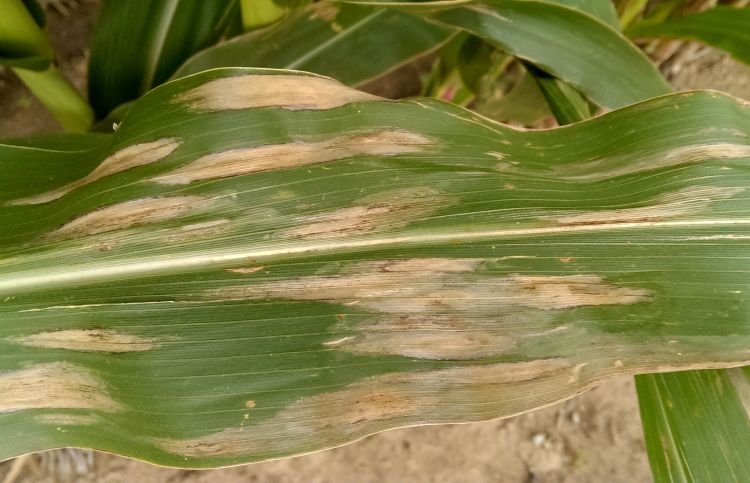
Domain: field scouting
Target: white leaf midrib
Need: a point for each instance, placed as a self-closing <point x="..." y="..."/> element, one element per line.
<point x="27" y="280"/>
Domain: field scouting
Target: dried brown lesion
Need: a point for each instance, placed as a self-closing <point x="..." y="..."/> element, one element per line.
<point x="375" y="403"/>
<point x="88" y="340"/>
<point x="472" y="392"/>
<point x="289" y="92"/>
<point x="274" y="157"/>
<point x="68" y="419"/>
<point x="436" y="337"/>
<point x="381" y="212"/>
<point x="681" y="203"/>
<point x="439" y="308"/>
<point x="129" y="214"/>
<point x="123" y="160"/>
<point x="54" y="385"/>
<point x="611" y="167"/>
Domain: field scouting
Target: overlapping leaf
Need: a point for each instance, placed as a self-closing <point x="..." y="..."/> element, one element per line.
<point x="725" y="28"/>
<point x="696" y="424"/>
<point x="138" y="45"/>
<point x="350" y="43"/>
<point x="262" y="263"/>
<point x="563" y="38"/>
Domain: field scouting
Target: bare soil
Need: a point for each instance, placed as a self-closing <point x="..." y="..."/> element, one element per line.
<point x="592" y="438"/>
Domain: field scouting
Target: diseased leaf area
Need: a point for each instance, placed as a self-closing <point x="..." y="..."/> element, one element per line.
<point x="288" y="264"/>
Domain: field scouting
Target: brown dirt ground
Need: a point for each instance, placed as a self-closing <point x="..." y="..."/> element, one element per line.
<point x="592" y="438"/>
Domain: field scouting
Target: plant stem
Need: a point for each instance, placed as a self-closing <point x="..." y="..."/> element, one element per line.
<point x="29" y="54"/>
<point x="257" y="13"/>
<point x="20" y="36"/>
<point x="59" y="97"/>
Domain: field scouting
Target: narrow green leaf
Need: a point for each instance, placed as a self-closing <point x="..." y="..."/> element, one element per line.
<point x="523" y="104"/>
<point x="566" y="42"/>
<point x="529" y="29"/>
<point x="630" y="11"/>
<point x="341" y="41"/>
<point x="138" y="45"/>
<point x="257" y="13"/>
<point x="722" y="27"/>
<point x="603" y="10"/>
<point x="37" y="12"/>
<point x="246" y="271"/>
<point x="59" y="96"/>
<point x="474" y="61"/>
<point x="567" y="105"/>
<point x="696" y="425"/>
<point x="71" y="141"/>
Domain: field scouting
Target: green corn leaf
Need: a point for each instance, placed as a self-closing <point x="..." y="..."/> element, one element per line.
<point x="345" y="42"/>
<point x="259" y="13"/>
<point x="523" y="104"/>
<point x="562" y="38"/>
<point x="474" y="60"/>
<point x="261" y="263"/>
<point x="722" y="27"/>
<point x="603" y="10"/>
<point x="56" y="141"/>
<point x="566" y="104"/>
<point x="138" y="45"/>
<point x="696" y="425"/>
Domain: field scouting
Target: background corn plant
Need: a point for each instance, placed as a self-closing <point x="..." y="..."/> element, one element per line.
<point x="259" y="263"/>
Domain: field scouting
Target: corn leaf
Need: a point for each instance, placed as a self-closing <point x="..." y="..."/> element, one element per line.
<point x="722" y="27"/>
<point x="524" y="104"/>
<point x="138" y="45"/>
<point x="345" y="42"/>
<point x="562" y="38"/>
<point x="261" y="263"/>
<point x="695" y="434"/>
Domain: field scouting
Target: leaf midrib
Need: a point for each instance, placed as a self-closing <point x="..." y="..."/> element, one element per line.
<point x="26" y="280"/>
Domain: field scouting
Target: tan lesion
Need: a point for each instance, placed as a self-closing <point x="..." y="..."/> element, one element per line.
<point x="376" y="213"/>
<point x="129" y="214"/>
<point x="123" y="160"/>
<point x="374" y="404"/>
<point x="54" y="385"/>
<point x="669" y="206"/>
<point x="598" y="169"/>
<point x="289" y="92"/>
<point x="68" y="419"/>
<point x="439" y="308"/>
<point x="88" y="340"/>
<point x="273" y="157"/>
<point x="462" y="393"/>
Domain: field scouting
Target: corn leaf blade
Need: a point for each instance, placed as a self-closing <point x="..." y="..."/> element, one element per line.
<point x="138" y="45"/>
<point x="722" y="27"/>
<point x="244" y="271"/>
<point x="340" y="41"/>
<point x="530" y="30"/>
<point x="696" y="424"/>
